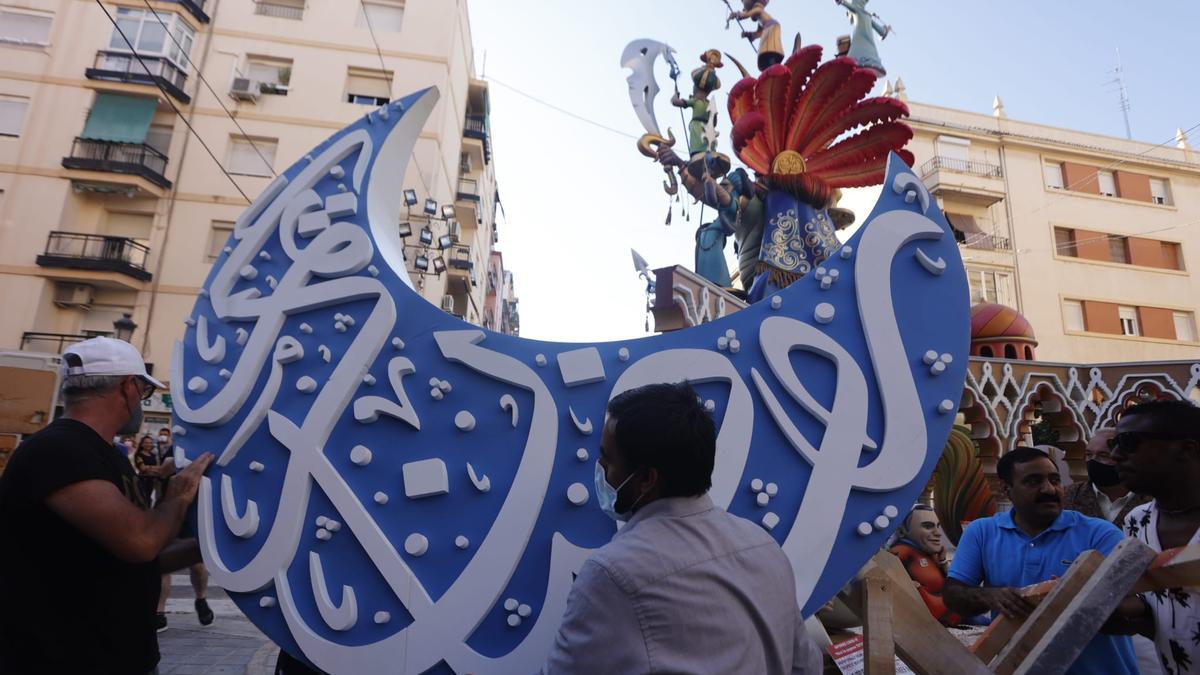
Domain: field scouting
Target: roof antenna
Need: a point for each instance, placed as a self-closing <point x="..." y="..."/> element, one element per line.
<point x="1119" y="80"/>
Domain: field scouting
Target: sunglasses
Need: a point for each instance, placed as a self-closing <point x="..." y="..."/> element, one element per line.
<point x="1128" y="441"/>
<point x="145" y="389"/>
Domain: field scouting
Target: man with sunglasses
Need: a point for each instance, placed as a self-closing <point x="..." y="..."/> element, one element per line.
<point x="1157" y="450"/>
<point x="79" y="576"/>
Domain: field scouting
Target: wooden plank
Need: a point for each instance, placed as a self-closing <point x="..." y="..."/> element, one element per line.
<point x="879" y="648"/>
<point x="1091" y="606"/>
<point x="1002" y="629"/>
<point x="1173" y="568"/>
<point x="922" y="643"/>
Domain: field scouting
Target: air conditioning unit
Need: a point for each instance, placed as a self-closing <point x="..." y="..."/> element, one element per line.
<point x="448" y="304"/>
<point x="74" y="295"/>
<point x="455" y="231"/>
<point x="245" y="89"/>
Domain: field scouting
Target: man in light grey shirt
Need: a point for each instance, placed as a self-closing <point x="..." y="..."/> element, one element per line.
<point x="683" y="587"/>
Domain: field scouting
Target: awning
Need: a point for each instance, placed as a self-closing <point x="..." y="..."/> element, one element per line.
<point x="964" y="223"/>
<point x="122" y="119"/>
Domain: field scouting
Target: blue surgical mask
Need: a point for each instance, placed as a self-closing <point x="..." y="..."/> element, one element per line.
<point x="607" y="495"/>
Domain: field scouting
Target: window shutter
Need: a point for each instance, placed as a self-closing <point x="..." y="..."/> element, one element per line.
<point x="24" y="28"/>
<point x="384" y="16"/>
<point x="244" y="158"/>
<point x="12" y="115"/>
<point x="1053" y="174"/>
<point x="368" y="83"/>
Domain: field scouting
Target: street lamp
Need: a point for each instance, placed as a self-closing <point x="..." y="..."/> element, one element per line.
<point x="124" y="327"/>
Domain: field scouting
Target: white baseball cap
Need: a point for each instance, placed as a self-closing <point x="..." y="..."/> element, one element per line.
<point x="106" y="356"/>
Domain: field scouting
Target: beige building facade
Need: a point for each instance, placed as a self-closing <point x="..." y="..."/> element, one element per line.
<point x="1095" y="239"/>
<point x="110" y="206"/>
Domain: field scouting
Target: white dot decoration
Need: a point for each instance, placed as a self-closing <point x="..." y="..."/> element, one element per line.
<point x="339" y="326"/>
<point x="946" y="359"/>
<point x="444" y="385"/>
<point x="863" y="529"/>
<point x="847" y="251"/>
<point x="824" y="313"/>
<point x="882" y="522"/>
<point x="511" y="604"/>
<point x="225" y="374"/>
<point x="722" y="343"/>
<point x="891" y="511"/>
<point x="710" y="405"/>
<point x="731" y="333"/>
<point x="306" y="385"/>
<point x="735" y="346"/>
<point x="514" y="620"/>
<point x="368" y="379"/>
<point x="434" y="382"/>
<point x="264" y="255"/>
<point x="623" y="353"/>
<point x="540" y="359"/>
<point x="321" y="520"/>
<point x="197" y="385"/>
<point x="248" y="272"/>
<point x="930" y="357"/>
<point x="946" y="406"/>
<point x="756" y="485"/>
<point x="436" y="393"/>
<point x="382" y="617"/>
<point x="337" y="172"/>
<point x="256" y="467"/>
<point x="937" y="368"/>
<point x="266" y="602"/>
<point x="464" y="420"/>
<point x="381" y="498"/>
<point x="581" y="454"/>
<point x="333" y="526"/>
<point x="397" y="343"/>
<point x="770" y="520"/>
<point x="776" y="302"/>
<point x="577" y="494"/>
<point x="772" y="489"/>
<point x="416" y="545"/>
<point x="324" y="535"/>
<point x="461" y="542"/>
<point x="762" y="499"/>
<point x="360" y="455"/>
<point x="373" y="270"/>
<point x="524" y="611"/>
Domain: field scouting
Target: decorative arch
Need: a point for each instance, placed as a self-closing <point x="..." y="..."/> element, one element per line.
<point x="1043" y="401"/>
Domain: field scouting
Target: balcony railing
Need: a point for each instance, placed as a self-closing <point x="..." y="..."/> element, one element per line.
<point x="196" y="8"/>
<point x="468" y="189"/>
<point x="137" y="159"/>
<point x="475" y="126"/>
<point x="991" y="242"/>
<point x="279" y="10"/>
<point x="96" y="252"/>
<point x="460" y="258"/>
<point x="124" y="67"/>
<point x="961" y="166"/>
<point x="55" y="343"/>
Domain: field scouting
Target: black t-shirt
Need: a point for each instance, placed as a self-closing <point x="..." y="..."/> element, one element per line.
<point x="67" y="605"/>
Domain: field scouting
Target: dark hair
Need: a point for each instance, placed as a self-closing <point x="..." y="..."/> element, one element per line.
<point x="1018" y="455"/>
<point x="1180" y="418"/>
<point x="143" y="439"/>
<point x="666" y="427"/>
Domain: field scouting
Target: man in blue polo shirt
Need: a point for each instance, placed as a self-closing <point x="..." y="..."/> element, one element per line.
<point x="1034" y="542"/>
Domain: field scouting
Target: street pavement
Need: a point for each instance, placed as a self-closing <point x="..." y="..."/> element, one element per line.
<point x="231" y="645"/>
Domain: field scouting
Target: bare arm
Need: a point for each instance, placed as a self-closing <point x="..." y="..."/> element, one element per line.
<point x="972" y="600"/>
<point x="99" y="510"/>
<point x="1132" y="617"/>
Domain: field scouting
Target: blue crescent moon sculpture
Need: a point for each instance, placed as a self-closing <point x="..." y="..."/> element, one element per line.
<point x="397" y="490"/>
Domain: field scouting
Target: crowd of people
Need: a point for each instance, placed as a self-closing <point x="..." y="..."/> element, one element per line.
<point x="94" y="532"/>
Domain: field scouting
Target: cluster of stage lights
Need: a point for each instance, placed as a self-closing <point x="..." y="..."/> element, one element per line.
<point x="423" y="262"/>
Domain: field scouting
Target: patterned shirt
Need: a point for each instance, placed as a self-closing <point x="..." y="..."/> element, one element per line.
<point x="1176" y="610"/>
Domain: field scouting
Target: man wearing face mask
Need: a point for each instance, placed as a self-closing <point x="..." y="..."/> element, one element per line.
<point x="683" y="587"/>
<point x="79" y="575"/>
<point x="1103" y="494"/>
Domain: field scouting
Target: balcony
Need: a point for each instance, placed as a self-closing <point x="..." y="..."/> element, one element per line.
<point x="964" y="181"/>
<point x="461" y="272"/>
<point x="279" y="10"/>
<point x="195" y="8"/>
<point x="135" y="159"/>
<point x="124" y="67"/>
<point x="987" y="242"/>
<point x="97" y="252"/>
<point x="55" y="343"/>
<point x="468" y="189"/>
<point x="475" y="128"/>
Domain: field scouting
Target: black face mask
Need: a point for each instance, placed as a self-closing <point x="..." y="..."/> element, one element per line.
<point x="1102" y="475"/>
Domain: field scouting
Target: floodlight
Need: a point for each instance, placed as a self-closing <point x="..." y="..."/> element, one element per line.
<point x="404" y="230"/>
<point x="447" y="211"/>
<point x="430" y="206"/>
<point x="439" y="265"/>
<point x="421" y="263"/>
<point x="445" y="241"/>
<point x="410" y="197"/>
<point x="426" y="236"/>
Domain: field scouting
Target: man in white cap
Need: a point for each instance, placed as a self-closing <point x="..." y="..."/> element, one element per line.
<point x="79" y="576"/>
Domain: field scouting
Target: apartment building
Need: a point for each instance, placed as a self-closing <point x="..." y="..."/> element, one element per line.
<point x="500" y="309"/>
<point x="112" y="211"/>
<point x="1095" y="239"/>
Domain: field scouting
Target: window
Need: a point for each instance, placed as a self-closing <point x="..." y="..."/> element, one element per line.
<point x="1053" y="173"/>
<point x="1118" y="248"/>
<point x="368" y="87"/>
<point x="954" y="148"/>
<point x="989" y="286"/>
<point x="12" y="114"/>
<point x="273" y="75"/>
<point x="252" y="157"/>
<point x="1108" y="183"/>
<point x="280" y="9"/>
<point x="25" y="28"/>
<point x="218" y="235"/>
<point x="159" y="137"/>
<point x="150" y="39"/>
<point x="380" y="16"/>
<point x="1185" y="326"/>
<point x="1073" y="315"/>
<point x="1064" y="242"/>
<point x="1160" y="192"/>
<point x="1129" y="322"/>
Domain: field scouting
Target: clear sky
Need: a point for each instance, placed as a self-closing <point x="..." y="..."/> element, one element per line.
<point x="577" y="197"/>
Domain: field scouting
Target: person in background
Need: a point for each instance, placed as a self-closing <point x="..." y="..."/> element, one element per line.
<point x="1036" y="541"/>
<point x="1103" y="494"/>
<point x="683" y="587"/>
<point x="197" y="573"/>
<point x="79" y="573"/>
<point x="1157" y="450"/>
<point x="150" y="469"/>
